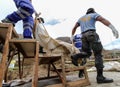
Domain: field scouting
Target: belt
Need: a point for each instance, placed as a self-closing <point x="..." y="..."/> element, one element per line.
<point x="88" y="30"/>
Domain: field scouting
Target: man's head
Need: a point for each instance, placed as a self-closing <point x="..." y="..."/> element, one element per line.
<point x="90" y="10"/>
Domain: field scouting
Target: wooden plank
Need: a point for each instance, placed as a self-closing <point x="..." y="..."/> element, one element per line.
<point x="75" y="69"/>
<point x="48" y="59"/>
<point x="71" y="69"/>
<point x="81" y="82"/>
<point x="3" y="31"/>
<point x="78" y="83"/>
<point x="23" y="40"/>
<point x="26" y="46"/>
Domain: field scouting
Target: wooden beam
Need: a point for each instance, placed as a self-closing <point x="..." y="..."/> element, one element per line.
<point x="35" y="69"/>
<point x="5" y="54"/>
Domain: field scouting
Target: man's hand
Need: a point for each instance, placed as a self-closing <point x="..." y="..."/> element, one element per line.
<point x="114" y="31"/>
<point x="37" y="14"/>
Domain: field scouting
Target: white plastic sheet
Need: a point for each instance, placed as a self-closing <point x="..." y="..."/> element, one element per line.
<point x="51" y="44"/>
<point x="108" y="66"/>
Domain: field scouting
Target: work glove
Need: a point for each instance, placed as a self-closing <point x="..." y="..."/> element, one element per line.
<point x="37" y="14"/>
<point x="114" y="31"/>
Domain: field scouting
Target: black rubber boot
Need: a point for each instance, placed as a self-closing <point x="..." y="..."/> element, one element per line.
<point x="74" y="60"/>
<point x="81" y="73"/>
<point x="7" y="21"/>
<point x="76" y="56"/>
<point x="101" y="79"/>
<point x="41" y="50"/>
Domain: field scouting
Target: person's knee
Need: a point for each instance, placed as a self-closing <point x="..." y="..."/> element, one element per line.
<point x="87" y="54"/>
<point x="97" y="46"/>
<point x="27" y="33"/>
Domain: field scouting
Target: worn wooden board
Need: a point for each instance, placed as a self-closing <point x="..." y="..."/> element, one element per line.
<point x="48" y="59"/>
<point x="26" y="46"/>
<point x="4" y="31"/>
<point x="78" y="83"/>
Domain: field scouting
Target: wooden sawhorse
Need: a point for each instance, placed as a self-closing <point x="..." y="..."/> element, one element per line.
<point x="6" y="33"/>
<point x="12" y="43"/>
<point x="29" y="48"/>
<point x="50" y="60"/>
<point x="62" y="73"/>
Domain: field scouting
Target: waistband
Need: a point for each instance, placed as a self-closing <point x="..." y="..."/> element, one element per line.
<point x="88" y="30"/>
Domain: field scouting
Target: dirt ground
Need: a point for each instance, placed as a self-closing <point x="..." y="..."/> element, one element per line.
<point x="92" y="77"/>
<point x="114" y="75"/>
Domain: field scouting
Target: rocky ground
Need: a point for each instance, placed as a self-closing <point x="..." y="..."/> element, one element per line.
<point x="114" y="75"/>
<point x="92" y="78"/>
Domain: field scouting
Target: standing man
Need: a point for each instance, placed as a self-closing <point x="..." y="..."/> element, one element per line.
<point x="24" y="13"/>
<point x="91" y="41"/>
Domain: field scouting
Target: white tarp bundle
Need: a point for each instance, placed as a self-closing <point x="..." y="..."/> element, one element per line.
<point x="108" y="66"/>
<point x="51" y="44"/>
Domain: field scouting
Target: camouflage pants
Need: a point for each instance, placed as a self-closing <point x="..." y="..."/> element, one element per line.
<point x="91" y="42"/>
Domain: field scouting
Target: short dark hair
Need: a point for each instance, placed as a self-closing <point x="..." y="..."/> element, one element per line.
<point x="90" y="10"/>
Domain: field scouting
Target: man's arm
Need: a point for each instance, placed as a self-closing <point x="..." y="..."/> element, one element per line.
<point x="73" y="31"/>
<point x="107" y="23"/>
<point x="74" y="28"/>
<point x="103" y="20"/>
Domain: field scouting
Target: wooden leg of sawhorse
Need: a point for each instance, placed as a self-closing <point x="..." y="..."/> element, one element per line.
<point x="35" y="69"/>
<point x="80" y="82"/>
<point x="63" y="71"/>
<point x="63" y="75"/>
<point x="10" y="57"/>
<point x="48" y="75"/>
<point x="19" y="64"/>
<point x="5" y="54"/>
<point x="58" y="73"/>
<point x="86" y="74"/>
